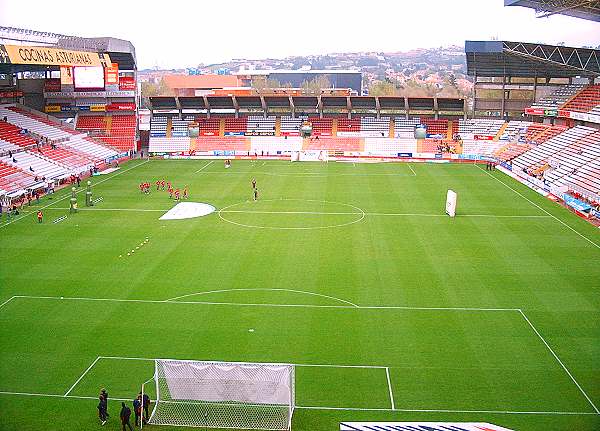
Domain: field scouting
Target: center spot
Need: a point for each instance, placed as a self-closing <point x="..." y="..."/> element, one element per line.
<point x="291" y="214"/>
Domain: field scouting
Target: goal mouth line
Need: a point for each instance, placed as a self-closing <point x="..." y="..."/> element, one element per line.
<point x="397" y="409"/>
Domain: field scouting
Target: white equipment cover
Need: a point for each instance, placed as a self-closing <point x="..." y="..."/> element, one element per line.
<point x="451" y="203"/>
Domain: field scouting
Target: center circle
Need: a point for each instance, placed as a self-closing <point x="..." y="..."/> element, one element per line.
<point x="291" y="214"/>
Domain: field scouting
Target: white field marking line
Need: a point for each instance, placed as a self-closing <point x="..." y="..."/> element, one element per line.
<point x="264" y="289"/>
<point x="316" y="213"/>
<point x="539" y="207"/>
<point x="387" y="374"/>
<point x="560" y="362"/>
<point x="82" y="376"/>
<point x="508" y="412"/>
<point x="411" y="169"/>
<point x="133" y="358"/>
<point x="112" y="209"/>
<point x="348" y="307"/>
<point x="77" y="192"/>
<point x="7" y="301"/>
<point x="205" y="166"/>
<point x="505" y="412"/>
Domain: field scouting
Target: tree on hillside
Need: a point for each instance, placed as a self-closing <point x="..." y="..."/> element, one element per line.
<point x="150" y="89"/>
<point x="316" y="84"/>
<point x="383" y="88"/>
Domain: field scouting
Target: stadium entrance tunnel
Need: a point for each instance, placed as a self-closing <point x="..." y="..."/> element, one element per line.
<point x="185" y="210"/>
<point x="291" y="214"/>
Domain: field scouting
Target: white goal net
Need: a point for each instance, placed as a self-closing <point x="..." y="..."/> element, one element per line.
<point x="223" y="394"/>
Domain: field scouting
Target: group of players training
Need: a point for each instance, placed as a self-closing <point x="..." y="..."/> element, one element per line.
<point x="160" y="186"/>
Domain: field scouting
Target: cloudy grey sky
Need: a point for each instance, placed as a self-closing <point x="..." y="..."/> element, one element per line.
<point x="181" y="33"/>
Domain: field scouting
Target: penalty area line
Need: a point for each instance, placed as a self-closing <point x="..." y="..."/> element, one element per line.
<point x="205" y="166"/>
<point x="82" y="376"/>
<point x="563" y="366"/>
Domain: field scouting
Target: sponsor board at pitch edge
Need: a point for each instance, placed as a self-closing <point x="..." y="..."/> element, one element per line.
<point x="424" y="426"/>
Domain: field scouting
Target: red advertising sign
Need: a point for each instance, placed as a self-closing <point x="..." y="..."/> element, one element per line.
<point x="52" y="84"/>
<point x="206" y="133"/>
<point x="534" y="111"/>
<point x="11" y="94"/>
<point x="563" y="113"/>
<point x="111" y="74"/>
<point x="126" y="83"/>
<point x="121" y="106"/>
<point x="290" y="133"/>
<point x="483" y="137"/>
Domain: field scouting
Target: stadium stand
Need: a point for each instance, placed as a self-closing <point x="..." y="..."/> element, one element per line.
<point x="35" y="165"/>
<point x="390" y="146"/>
<point x="259" y="124"/>
<point x="348" y="127"/>
<point x="90" y="148"/>
<point x="535" y="161"/>
<point x="290" y="125"/>
<point x="333" y="144"/>
<point x="512" y="150"/>
<point x="13" y="137"/>
<point x="209" y="126"/>
<point x="585" y="180"/>
<point x="228" y="143"/>
<point x="404" y="128"/>
<point x="321" y="126"/>
<point x="565" y="163"/>
<point x="481" y="147"/>
<point x="586" y="100"/>
<point x="435" y="127"/>
<point x="514" y="130"/>
<point x="258" y="144"/>
<point x="50" y="131"/>
<point x="13" y="179"/>
<point x="479" y="126"/>
<point x="236" y="126"/>
<point x="374" y="127"/>
<point x="557" y="98"/>
<point x="71" y="159"/>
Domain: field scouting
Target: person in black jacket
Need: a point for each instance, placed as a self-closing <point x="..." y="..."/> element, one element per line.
<point x="137" y="409"/>
<point x="125" y="415"/>
<point x="146" y="404"/>
<point x="102" y="409"/>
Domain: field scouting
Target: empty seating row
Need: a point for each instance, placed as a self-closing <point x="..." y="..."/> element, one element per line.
<point x="566" y="162"/>
<point x="290" y="125"/>
<point x="481" y="147"/>
<point x="321" y="126"/>
<point x="585" y="101"/>
<point x="479" y="126"/>
<point x="538" y="156"/>
<point x="273" y="144"/>
<point x="514" y="130"/>
<point x="558" y="97"/>
<point x="67" y="157"/>
<point x="91" y="148"/>
<point x="36" y="165"/>
<point x="377" y="146"/>
<point x="14" y="135"/>
<point x="586" y="178"/>
<point x="166" y="145"/>
<point x="38" y="125"/>
<point x="371" y="126"/>
<point x="259" y="124"/>
<point x="333" y="144"/>
<point x="405" y="128"/>
<point x="13" y="179"/>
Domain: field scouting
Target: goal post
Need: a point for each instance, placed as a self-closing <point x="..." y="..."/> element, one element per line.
<point x="223" y="394"/>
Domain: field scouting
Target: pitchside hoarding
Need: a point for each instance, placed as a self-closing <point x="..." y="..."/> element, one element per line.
<point x="420" y="426"/>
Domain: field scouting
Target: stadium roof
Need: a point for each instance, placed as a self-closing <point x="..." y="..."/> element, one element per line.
<point x="201" y="81"/>
<point x="585" y="9"/>
<point x="120" y="51"/>
<point x="522" y="59"/>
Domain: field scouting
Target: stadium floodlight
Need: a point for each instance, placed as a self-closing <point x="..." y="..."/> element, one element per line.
<point x="223" y="394"/>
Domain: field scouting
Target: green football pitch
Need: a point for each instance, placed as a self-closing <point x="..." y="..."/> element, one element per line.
<point x="390" y="309"/>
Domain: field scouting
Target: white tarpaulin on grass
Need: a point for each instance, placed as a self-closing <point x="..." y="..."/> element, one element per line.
<point x="185" y="210"/>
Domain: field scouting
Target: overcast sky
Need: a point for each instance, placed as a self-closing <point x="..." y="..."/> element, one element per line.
<point x="180" y="33"/>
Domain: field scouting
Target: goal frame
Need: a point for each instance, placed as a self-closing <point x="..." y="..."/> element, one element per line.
<point x="290" y="407"/>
